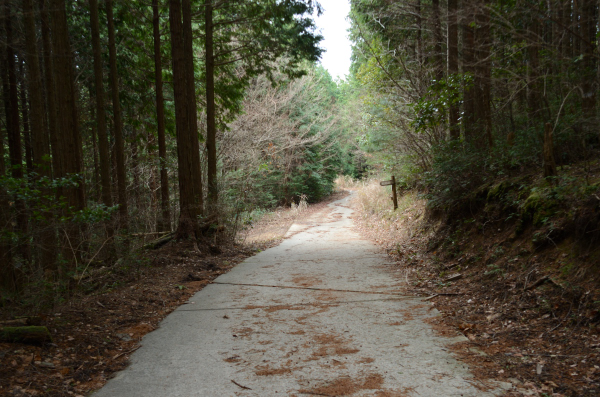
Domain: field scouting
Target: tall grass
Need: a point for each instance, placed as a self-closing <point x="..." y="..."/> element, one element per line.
<point x="343" y="182"/>
<point x="302" y="205"/>
<point x="375" y="208"/>
<point x="375" y="200"/>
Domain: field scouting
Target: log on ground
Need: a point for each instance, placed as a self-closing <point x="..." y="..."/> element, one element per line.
<point x="28" y="334"/>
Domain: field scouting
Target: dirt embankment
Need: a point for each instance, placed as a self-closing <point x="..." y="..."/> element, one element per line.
<point x="515" y="270"/>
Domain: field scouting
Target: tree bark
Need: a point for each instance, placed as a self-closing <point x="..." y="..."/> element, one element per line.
<point x="68" y="142"/>
<point x="468" y="66"/>
<point x="533" y="85"/>
<point x="8" y="278"/>
<point x="49" y="87"/>
<point x="15" y="149"/>
<point x="188" y="50"/>
<point x="25" y="116"/>
<point x="164" y="223"/>
<point x="211" y="130"/>
<point x="589" y="21"/>
<point x="188" y="202"/>
<point x="437" y="35"/>
<point x="476" y="61"/>
<point x="41" y="163"/>
<point x="103" y="149"/>
<point x="483" y="78"/>
<point x="118" y="120"/>
<point x="453" y="115"/>
<point x="12" y="114"/>
<point x="36" y="99"/>
<point x="97" y="190"/>
<point x="418" y="21"/>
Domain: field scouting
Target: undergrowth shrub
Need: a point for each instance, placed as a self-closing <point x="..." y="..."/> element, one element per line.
<point x="460" y="171"/>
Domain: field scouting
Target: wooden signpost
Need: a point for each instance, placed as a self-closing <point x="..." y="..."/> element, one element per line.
<point x="392" y="182"/>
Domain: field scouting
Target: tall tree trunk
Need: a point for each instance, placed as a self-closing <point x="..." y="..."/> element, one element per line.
<point x="8" y="279"/>
<point x="103" y="151"/>
<point x="561" y="35"/>
<point x="437" y="36"/>
<point x="36" y="98"/>
<point x="68" y="142"/>
<point x="164" y="223"/>
<point x="97" y="190"/>
<point x="49" y="87"/>
<point x="15" y="148"/>
<point x="533" y="85"/>
<point x="476" y="58"/>
<point x="118" y="123"/>
<point x="113" y="161"/>
<point x="188" y="51"/>
<point x="25" y="116"/>
<point x="211" y="129"/>
<point x="12" y="114"/>
<point x="589" y="21"/>
<point x="419" y="22"/>
<point x="41" y="164"/>
<point x="483" y="78"/>
<point x="453" y="115"/>
<point x="468" y="61"/>
<point x="188" y="202"/>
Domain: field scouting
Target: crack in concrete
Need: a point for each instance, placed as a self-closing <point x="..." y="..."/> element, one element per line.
<point x="318" y="289"/>
<point x="284" y="306"/>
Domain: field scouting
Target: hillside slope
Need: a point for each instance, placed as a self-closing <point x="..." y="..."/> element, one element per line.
<point x="514" y="267"/>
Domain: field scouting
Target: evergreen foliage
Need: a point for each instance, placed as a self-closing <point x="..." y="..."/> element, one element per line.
<point x="452" y="122"/>
<point x="53" y="221"/>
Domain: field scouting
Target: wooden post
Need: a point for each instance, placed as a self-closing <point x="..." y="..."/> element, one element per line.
<point x="394" y="196"/>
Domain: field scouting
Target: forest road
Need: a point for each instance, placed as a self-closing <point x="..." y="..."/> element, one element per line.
<point x="320" y="314"/>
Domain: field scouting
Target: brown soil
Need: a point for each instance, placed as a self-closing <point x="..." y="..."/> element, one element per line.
<point x="366" y="360"/>
<point x="515" y="302"/>
<point x="306" y="281"/>
<point x="393" y="393"/>
<point x="331" y="344"/>
<point x="244" y="332"/>
<point x="277" y="308"/>
<point x="268" y="371"/>
<point x="346" y="386"/>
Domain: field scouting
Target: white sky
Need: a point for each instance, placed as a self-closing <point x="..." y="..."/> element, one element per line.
<point x="334" y="29"/>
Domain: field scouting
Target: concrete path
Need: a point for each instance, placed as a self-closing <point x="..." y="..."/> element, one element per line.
<point x="320" y="314"/>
